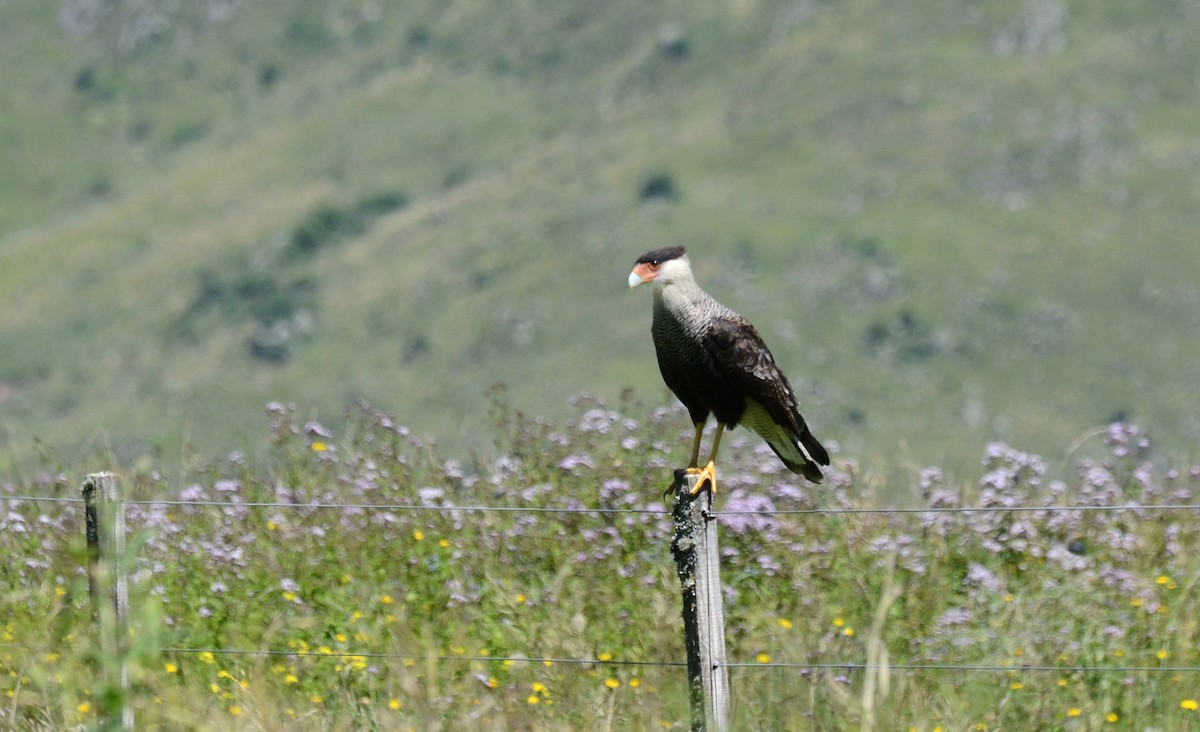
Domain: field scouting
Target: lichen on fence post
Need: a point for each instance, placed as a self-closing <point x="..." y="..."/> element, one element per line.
<point x="697" y="561"/>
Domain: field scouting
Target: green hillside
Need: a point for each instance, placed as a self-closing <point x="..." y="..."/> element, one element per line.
<point x="954" y="222"/>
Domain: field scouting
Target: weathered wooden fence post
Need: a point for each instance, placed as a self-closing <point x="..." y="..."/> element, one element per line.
<point x="698" y="562"/>
<point x="104" y="524"/>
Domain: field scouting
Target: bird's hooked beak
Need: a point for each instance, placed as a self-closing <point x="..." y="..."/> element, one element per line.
<point x="641" y="274"/>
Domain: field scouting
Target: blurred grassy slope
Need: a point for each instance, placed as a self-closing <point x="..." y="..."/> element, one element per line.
<point x="952" y="222"/>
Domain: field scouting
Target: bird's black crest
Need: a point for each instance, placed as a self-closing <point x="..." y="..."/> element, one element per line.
<point x="661" y="255"/>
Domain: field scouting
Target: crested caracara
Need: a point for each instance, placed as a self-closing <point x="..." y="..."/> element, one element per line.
<point x="716" y="363"/>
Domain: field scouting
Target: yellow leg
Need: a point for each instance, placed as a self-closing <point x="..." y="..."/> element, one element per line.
<point x="696" y="446"/>
<point x="709" y="472"/>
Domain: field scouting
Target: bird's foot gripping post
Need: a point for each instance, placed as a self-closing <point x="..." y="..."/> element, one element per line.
<point x="697" y="561"/>
<point x="705" y="475"/>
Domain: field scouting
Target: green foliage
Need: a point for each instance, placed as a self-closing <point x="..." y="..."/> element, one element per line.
<point x="408" y="607"/>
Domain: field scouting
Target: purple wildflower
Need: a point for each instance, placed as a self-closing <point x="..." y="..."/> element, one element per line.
<point x="954" y="616"/>
<point x="192" y="493"/>
<point x="746" y="512"/>
<point x="980" y="576"/>
<point x="571" y="462"/>
<point x="314" y="429"/>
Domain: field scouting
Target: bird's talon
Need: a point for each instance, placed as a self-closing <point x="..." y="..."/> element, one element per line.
<point x="707" y="474"/>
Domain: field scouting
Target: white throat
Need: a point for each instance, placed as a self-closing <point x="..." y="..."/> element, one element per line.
<point x="675" y="288"/>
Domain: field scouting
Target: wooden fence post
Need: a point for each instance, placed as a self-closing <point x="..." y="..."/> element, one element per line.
<point x="698" y="562"/>
<point x="104" y="524"/>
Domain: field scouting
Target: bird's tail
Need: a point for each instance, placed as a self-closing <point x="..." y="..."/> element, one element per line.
<point x="814" y="449"/>
<point x="803" y="457"/>
<point x="793" y="443"/>
<point x="804" y="467"/>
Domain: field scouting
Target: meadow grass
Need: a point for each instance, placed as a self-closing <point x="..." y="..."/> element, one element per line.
<point x="421" y="613"/>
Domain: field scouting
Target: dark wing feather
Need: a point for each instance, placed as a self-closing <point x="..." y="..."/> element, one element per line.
<point x="745" y="362"/>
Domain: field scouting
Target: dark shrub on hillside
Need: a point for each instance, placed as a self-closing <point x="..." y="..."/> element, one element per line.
<point x="264" y="297"/>
<point x="330" y="223"/>
<point x="85" y="80"/>
<point x="321" y="228"/>
<point x="903" y="338"/>
<point x="673" y="42"/>
<point x="659" y="188"/>
<point x="380" y="204"/>
<point x="268" y="74"/>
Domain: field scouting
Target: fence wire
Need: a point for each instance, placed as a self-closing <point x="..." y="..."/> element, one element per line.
<point x="553" y="660"/>
<point x="652" y="511"/>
